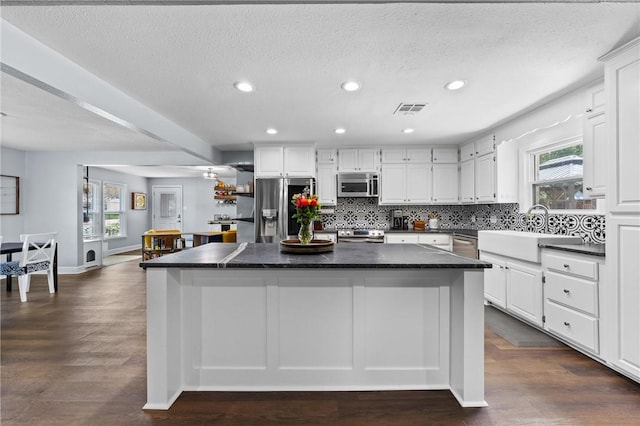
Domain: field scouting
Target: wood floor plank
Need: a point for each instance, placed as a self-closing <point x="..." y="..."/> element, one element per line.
<point x="78" y="357"/>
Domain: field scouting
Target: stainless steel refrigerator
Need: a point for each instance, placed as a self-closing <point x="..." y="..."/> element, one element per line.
<point x="273" y="211"/>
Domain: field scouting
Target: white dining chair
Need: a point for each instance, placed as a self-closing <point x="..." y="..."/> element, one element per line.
<point x="38" y="251"/>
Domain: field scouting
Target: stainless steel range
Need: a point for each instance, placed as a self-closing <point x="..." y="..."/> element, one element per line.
<point x="360" y="236"/>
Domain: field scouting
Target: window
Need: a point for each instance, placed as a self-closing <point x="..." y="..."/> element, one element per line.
<point x="557" y="177"/>
<point x="113" y="196"/>
<point x="91" y="224"/>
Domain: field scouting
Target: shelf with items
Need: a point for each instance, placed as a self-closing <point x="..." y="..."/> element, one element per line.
<point x="157" y="244"/>
<point x="225" y="194"/>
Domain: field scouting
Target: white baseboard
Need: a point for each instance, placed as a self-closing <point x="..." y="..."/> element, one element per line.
<point x="122" y="250"/>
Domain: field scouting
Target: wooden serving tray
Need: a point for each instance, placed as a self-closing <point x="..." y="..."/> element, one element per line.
<point x="314" y="246"/>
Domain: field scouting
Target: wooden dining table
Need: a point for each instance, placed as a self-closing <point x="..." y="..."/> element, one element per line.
<point x="9" y="248"/>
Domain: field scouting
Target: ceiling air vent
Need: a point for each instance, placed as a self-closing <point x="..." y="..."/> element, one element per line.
<point x="409" y="108"/>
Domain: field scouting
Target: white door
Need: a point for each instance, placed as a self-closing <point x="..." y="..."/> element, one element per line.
<point x="167" y="207"/>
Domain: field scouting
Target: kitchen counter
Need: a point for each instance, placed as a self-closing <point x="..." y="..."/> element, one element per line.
<point x="586" y="248"/>
<point x="467" y="232"/>
<point x="367" y="256"/>
<point x="246" y="317"/>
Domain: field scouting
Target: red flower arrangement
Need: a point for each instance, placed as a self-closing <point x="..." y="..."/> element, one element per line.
<point x="307" y="209"/>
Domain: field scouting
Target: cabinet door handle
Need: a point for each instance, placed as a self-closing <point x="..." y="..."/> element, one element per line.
<point x="566" y="291"/>
<point x="588" y="188"/>
<point x="567" y="324"/>
<point x="589" y="110"/>
<point x="566" y="265"/>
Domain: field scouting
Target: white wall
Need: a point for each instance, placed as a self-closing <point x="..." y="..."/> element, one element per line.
<point x="12" y="163"/>
<point x="198" y="204"/>
<point x="138" y="221"/>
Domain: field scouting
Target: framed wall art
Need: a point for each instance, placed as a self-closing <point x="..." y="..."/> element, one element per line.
<point x="138" y="201"/>
<point x="9" y="194"/>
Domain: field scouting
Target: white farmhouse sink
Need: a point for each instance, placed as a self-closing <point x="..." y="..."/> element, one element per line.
<point x="520" y="245"/>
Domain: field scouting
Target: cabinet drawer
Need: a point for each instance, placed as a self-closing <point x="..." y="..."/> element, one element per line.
<point x="401" y="239"/>
<point x="572" y="325"/>
<point x="434" y="239"/>
<point x="571" y="265"/>
<point x="572" y="292"/>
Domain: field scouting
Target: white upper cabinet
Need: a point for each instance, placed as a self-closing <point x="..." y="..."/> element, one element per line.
<point x="485" y="146"/>
<point x="467" y="181"/>
<point x="327" y="156"/>
<point x="488" y="173"/>
<point x="359" y="160"/>
<point x="404" y="155"/>
<point x="445" y="155"/>
<point x="622" y="79"/>
<point x="327" y="184"/>
<point x="594" y="142"/>
<point x="445" y="183"/>
<point x="405" y="176"/>
<point x="485" y="182"/>
<point x="393" y="155"/>
<point x="467" y="152"/>
<point x="326" y="176"/>
<point x="405" y="183"/>
<point x="269" y="161"/>
<point x="284" y="161"/>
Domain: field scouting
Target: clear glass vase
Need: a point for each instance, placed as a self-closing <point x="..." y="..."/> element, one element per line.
<point x="305" y="235"/>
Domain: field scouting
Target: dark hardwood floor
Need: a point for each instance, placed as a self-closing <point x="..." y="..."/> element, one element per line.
<point x="78" y="358"/>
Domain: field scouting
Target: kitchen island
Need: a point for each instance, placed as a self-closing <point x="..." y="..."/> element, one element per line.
<point x="246" y="317"/>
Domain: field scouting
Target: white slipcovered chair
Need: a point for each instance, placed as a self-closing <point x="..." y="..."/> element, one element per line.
<point x="38" y="251"/>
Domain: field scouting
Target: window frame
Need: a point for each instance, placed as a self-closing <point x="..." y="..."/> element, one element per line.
<point x="530" y="154"/>
<point x="122" y="212"/>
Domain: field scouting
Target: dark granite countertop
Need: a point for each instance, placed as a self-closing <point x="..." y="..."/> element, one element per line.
<point x="586" y="248"/>
<point x="366" y="256"/>
<point x="466" y="232"/>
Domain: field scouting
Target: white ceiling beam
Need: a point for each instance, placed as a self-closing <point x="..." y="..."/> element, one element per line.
<point x="31" y="61"/>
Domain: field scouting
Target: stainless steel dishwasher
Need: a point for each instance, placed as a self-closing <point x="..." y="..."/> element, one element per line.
<point x="465" y="246"/>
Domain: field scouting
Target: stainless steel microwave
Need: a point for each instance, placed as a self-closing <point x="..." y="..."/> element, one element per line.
<point x="358" y="185"/>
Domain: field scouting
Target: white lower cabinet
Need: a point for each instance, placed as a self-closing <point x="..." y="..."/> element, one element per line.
<point x="524" y="290"/>
<point x="515" y="286"/>
<point x="440" y="240"/>
<point x="572" y="298"/>
<point x="495" y="281"/>
<point x="401" y="238"/>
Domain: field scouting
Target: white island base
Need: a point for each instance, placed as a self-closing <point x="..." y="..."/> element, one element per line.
<point x="314" y="330"/>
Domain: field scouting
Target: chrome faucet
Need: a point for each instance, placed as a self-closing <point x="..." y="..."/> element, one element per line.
<point x="546" y="215"/>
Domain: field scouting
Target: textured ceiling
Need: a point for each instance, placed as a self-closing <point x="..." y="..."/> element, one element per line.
<point x="182" y="61"/>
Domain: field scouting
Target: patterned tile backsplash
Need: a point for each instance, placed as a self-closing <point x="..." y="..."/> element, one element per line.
<point x="366" y="213"/>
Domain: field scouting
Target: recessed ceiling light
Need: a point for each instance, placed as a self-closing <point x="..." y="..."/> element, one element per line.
<point x="244" y="86"/>
<point x="340" y="130"/>
<point x="272" y="131"/>
<point x="407" y="131"/>
<point x="455" y="85"/>
<point x="350" y="86"/>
